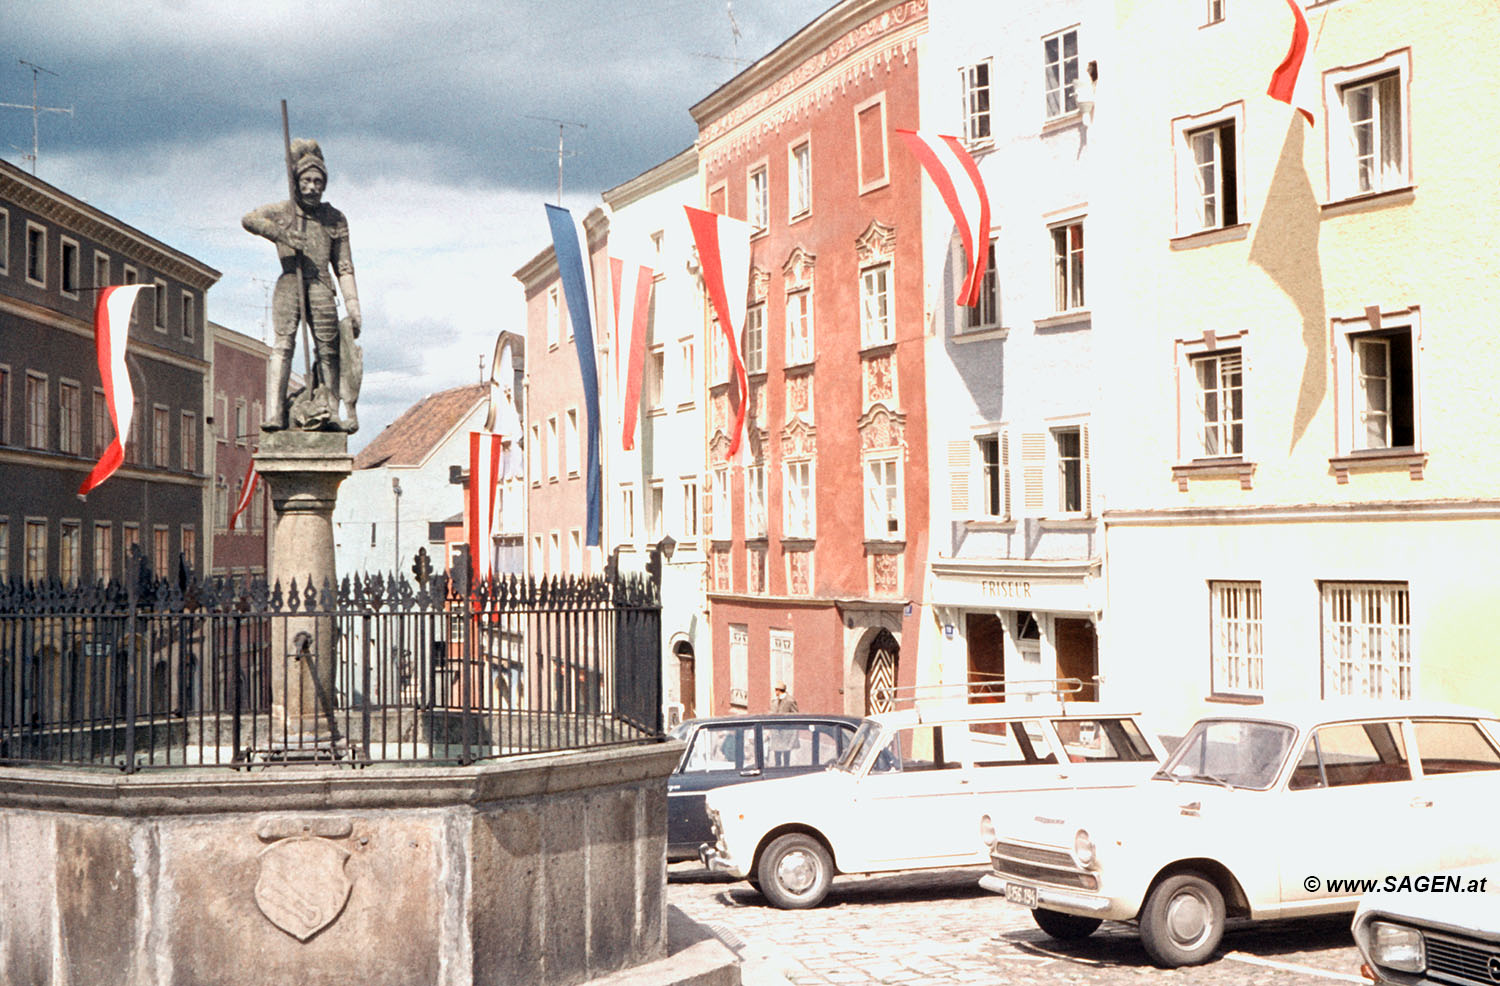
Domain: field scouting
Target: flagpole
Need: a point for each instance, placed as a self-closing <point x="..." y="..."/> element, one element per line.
<point x="291" y="181"/>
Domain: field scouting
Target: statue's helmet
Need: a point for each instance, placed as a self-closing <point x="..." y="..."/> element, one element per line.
<point x="308" y="156"/>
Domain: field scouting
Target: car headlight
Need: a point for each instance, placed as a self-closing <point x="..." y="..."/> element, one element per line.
<point x="1396" y="946"/>
<point x="987" y="831"/>
<point x="1083" y="849"/>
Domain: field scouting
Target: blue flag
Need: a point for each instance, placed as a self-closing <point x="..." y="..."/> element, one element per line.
<point x="570" y="247"/>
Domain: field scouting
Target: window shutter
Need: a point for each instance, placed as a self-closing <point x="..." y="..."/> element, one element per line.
<point x="1005" y="473"/>
<point x="1087" y="466"/>
<point x="1033" y="462"/>
<point x="958" y="477"/>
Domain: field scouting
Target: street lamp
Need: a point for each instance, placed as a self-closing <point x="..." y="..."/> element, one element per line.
<point x="396" y="489"/>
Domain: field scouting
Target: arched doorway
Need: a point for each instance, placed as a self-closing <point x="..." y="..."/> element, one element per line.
<point x="687" y="678"/>
<point x="880" y="673"/>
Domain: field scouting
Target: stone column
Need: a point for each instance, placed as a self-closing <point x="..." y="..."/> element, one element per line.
<point x="303" y="470"/>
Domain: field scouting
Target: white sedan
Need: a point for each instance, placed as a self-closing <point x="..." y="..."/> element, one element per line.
<point x="906" y="792"/>
<point x="1437" y="928"/>
<point x="1279" y="813"/>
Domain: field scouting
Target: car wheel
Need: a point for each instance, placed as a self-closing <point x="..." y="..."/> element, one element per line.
<point x="1064" y="927"/>
<point x="1183" y="921"/>
<point x="795" y="871"/>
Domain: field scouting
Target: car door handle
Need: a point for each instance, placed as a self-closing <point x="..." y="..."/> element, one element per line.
<point x="1421" y="802"/>
<point x="750" y="773"/>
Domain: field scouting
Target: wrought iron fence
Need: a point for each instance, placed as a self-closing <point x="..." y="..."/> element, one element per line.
<point x="187" y="672"/>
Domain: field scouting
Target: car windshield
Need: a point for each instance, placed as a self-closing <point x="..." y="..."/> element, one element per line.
<point x="864" y="739"/>
<point x="1231" y="752"/>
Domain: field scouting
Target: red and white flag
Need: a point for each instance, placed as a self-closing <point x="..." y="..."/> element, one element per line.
<point x="111" y="332"/>
<point x="724" y="258"/>
<point x="956" y="176"/>
<point x="1294" y="78"/>
<point x="486" y="452"/>
<point x="247" y="491"/>
<point x="631" y="289"/>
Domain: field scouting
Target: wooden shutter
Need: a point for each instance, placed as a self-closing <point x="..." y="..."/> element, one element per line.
<point x="959" y="470"/>
<point x="1033" y="476"/>
<point x="1086" y="465"/>
<point x="1005" y="473"/>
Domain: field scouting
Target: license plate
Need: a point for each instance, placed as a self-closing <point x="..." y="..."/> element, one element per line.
<point x="1021" y="894"/>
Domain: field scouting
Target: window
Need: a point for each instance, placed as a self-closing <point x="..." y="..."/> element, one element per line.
<point x="69" y="551"/>
<point x="159" y="305"/>
<point x="187" y="440"/>
<point x="161" y="435"/>
<point x="986" y="314"/>
<point x="221" y="417"/>
<point x="36" y="255"/>
<point x="36" y="411"/>
<point x="689" y="489"/>
<point x="1215" y="11"/>
<point x="755" y="339"/>
<point x="36" y="550"/>
<point x="739" y="665"/>
<point x="975" y="82"/>
<point x="553" y="316"/>
<point x="554" y="553"/>
<point x="755" y="501"/>
<point x="1060" y="72"/>
<point x="1219" y="390"/>
<point x="69" y="272"/>
<point x="241" y="422"/>
<point x="536" y="454"/>
<point x="69" y="418"/>
<point x="721" y="525"/>
<point x="799" y="497"/>
<point x="875" y="305"/>
<point x="758" y="196"/>
<point x="4" y="405"/>
<point x="221" y="508"/>
<point x="4" y="549"/>
<point x="4" y="247"/>
<point x="1070" y="469"/>
<point x="1067" y="263"/>
<point x="1350" y="754"/>
<point x="800" y="182"/>
<point x="189" y="541"/>
<point x="101" y="270"/>
<point x="1209" y="196"/>
<point x="627" y="512"/>
<point x="1368" y="127"/>
<point x="727" y="749"/>
<point x="553" y="450"/>
<point x="570" y="449"/>
<point x="189" y="317"/>
<point x="656" y="372"/>
<point x="575" y="552"/>
<point x="161" y="550"/>
<point x="869" y="126"/>
<point x="883" y="513"/>
<point x="1383" y="407"/>
<point x="655" y="507"/>
<point x="1450" y="747"/>
<point x="104" y="429"/>
<point x="104" y="557"/>
<point x="687" y="358"/>
<point x="994" y="475"/>
<point x="799" y="328"/>
<point x="538" y="560"/>
<point x="1236" y="638"/>
<point x="130" y="539"/>
<point x="1366" y="640"/>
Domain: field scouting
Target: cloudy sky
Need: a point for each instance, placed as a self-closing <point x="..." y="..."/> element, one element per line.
<point x="428" y="116"/>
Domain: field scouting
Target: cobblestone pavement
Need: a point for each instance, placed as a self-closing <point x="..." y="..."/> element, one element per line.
<point x="937" y="928"/>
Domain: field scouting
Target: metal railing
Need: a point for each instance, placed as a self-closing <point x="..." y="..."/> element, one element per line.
<point x="186" y="672"/>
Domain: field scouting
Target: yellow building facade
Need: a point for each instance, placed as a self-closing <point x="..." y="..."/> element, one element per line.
<point x="1296" y="440"/>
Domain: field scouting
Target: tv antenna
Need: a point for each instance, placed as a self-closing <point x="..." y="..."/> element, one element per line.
<point x="734" y="31"/>
<point x="36" y="109"/>
<point x="561" y="154"/>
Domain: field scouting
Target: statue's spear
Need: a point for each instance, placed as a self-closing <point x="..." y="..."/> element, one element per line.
<point x="291" y="181"/>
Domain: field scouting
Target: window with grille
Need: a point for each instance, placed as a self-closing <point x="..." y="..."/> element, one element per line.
<point x="161" y="436"/>
<point x="755" y="339"/>
<point x="104" y="568"/>
<point x="755" y="500"/>
<point x="975" y="81"/>
<point x="799" y="327"/>
<point x="1235" y="638"/>
<point x="799" y="499"/>
<point x="36" y="550"/>
<point x="875" y="321"/>
<point x="36" y="411"/>
<point x="1067" y="266"/>
<point x="800" y="182"/>
<point x="1060" y="72"/>
<point x="883" y="512"/>
<point x="1366" y="639"/>
<point x="758" y="195"/>
<point x="985" y="314"/>
<point x="69" y="418"/>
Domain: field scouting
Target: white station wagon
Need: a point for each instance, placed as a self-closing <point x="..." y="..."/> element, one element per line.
<point x="1260" y="815"/>
<point x="907" y="790"/>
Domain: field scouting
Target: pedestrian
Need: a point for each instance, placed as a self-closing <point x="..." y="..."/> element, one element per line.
<point x="783" y="739"/>
<point x="783" y="702"/>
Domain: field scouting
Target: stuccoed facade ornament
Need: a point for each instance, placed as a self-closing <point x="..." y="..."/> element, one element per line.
<point x="312" y="240"/>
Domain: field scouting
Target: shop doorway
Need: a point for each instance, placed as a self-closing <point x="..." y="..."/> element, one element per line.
<point x="1078" y="654"/>
<point x="985" y="634"/>
<point x="880" y="673"/>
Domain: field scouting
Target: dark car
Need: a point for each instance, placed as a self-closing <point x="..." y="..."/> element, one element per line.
<point x="737" y="749"/>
